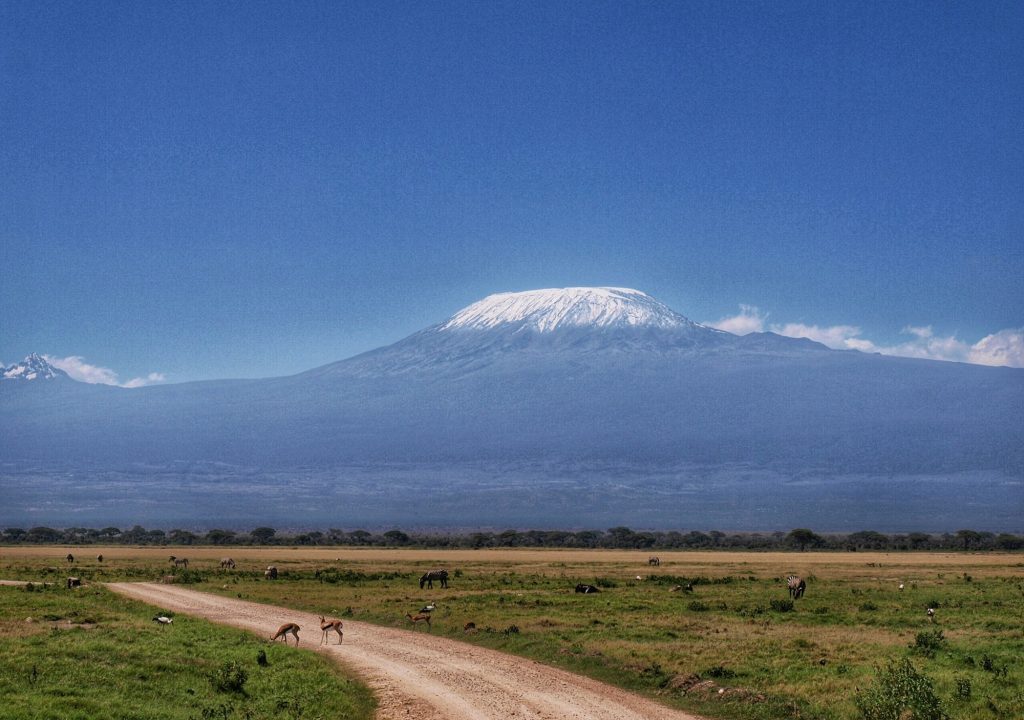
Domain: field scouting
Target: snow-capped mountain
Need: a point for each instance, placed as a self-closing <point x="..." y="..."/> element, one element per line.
<point x="33" y="367"/>
<point x="570" y="407"/>
<point x="549" y="311"/>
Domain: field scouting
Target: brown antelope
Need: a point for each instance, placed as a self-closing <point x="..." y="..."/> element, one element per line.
<point x="418" y="618"/>
<point x="326" y="626"/>
<point x="282" y="632"/>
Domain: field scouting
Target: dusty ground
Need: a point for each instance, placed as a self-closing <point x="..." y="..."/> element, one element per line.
<point x="416" y="675"/>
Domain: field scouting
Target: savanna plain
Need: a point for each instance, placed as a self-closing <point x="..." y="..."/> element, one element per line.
<point x="714" y="633"/>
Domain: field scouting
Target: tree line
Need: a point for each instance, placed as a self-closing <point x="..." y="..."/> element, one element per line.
<point x="621" y="538"/>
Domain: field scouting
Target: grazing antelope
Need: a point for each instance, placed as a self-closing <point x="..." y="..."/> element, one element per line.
<point x="227" y="563"/>
<point x="282" y="632"/>
<point x="654" y="560"/>
<point x="429" y="578"/>
<point x="418" y="618"/>
<point x="326" y="626"/>
<point x="179" y="562"/>
<point x="796" y="586"/>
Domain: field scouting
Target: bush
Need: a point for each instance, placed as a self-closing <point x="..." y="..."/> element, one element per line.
<point x="928" y="642"/>
<point x="698" y="606"/>
<point x="897" y="689"/>
<point x="963" y="688"/>
<point x="868" y="607"/>
<point x="230" y="677"/>
<point x="781" y="605"/>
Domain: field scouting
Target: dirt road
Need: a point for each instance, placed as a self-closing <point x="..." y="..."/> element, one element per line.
<point x="416" y="675"/>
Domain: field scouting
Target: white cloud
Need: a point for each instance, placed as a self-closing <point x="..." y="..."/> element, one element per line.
<point x="78" y="369"/>
<point x="1005" y="347"/>
<point x="841" y="337"/>
<point x="747" y="321"/>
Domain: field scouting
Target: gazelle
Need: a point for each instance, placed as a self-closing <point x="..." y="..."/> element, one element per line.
<point x="418" y="618"/>
<point x="326" y="626"/>
<point x="282" y="632"/>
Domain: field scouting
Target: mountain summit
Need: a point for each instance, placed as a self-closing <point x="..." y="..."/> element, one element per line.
<point x="558" y="308"/>
<point x="34" y="367"/>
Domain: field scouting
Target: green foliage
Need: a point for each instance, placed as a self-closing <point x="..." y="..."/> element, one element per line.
<point x="230" y="677"/>
<point x="698" y="606"/>
<point x="963" y="688"/>
<point x="782" y="606"/>
<point x="928" y="642"/>
<point x="897" y="689"/>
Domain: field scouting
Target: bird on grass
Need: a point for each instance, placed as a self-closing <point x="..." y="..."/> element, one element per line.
<point x="163" y="620"/>
<point x="428" y="608"/>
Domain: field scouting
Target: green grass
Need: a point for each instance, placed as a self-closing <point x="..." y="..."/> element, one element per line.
<point x="89" y="653"/>
<point x="773" y="662"/>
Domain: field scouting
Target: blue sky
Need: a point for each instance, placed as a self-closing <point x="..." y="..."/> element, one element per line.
<point x="203" y="190"/>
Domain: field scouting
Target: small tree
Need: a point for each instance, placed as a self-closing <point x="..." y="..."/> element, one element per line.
<point x="899" y="688"/>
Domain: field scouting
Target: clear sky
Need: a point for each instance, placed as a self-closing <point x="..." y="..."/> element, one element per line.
<point x="205" y="190"/>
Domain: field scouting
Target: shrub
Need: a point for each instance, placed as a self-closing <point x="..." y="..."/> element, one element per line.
<point x="230" y="677"/>
<point x="928" y="642"/>
<point x="781" y="605"/>
<point x="719" y="671"/>
<point x="868" y="607"/>
<point x="698" y="606"/>
<point x="963" y="688"/>
<point x="897" y="689"/>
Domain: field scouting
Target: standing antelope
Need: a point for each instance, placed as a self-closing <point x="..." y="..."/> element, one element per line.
<point x="418" y="618"/>
<point x="326" y="626"/>
<point x="282" y="632"/>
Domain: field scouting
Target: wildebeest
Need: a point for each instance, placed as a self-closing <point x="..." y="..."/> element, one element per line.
<point x="586" y="589"/>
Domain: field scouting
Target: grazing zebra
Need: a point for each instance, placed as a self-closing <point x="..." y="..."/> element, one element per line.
<point x="586" y="589"/>
<point x="429" y="578"/>
<point x="654" y="560"/>
<point x="796" y="586"/>
<point x="227" y="563"/>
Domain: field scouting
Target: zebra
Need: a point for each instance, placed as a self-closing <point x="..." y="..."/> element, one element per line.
<point x="429" y="578"/>
<point x="227" y="563"/>
<point x="796" y="586"/>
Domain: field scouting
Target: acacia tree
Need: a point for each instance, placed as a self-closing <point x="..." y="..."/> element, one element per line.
<point x="802" y="537"/>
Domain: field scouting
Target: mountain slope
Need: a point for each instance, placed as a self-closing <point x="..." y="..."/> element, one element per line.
<point x="600" y="391"/>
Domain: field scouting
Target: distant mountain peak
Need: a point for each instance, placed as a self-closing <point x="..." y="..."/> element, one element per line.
<point x="553" y="309"/>
<point x="33" y="367"/>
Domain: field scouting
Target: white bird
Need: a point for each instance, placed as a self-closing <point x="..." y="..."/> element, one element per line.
<point x="163" y="619"/>
<point x="428" y="608"/>
<point x="931" y="613"/>
<point x="639" y="578"/>
<point x="901" y="587"/>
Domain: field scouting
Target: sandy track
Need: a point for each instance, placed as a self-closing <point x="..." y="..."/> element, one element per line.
<point x="416" y="675"/>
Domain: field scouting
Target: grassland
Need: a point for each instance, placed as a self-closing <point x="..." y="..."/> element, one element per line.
<point x="88" y="653"/>
<point x="731" y="648"/>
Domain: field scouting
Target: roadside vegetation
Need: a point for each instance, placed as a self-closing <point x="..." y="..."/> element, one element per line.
<point x="88" y="653"/>
<point x="712" y="632"/>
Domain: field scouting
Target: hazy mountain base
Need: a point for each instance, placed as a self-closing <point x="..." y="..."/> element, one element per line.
<point x="489" y="495"/>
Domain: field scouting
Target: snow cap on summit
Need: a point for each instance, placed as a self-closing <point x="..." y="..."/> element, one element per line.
<point x="33" y="367"/>
<point x="555" y="308"/>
